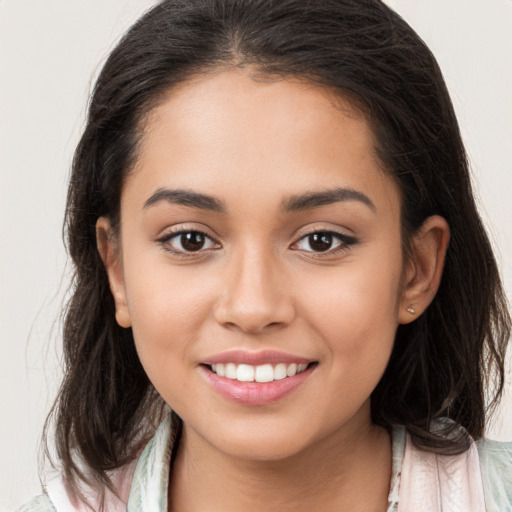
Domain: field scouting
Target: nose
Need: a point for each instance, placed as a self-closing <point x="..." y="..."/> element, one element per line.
<point x="256" y="297"/>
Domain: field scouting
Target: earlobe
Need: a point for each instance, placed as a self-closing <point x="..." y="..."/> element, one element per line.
<point x="424" y="268"/>
<point x="111" y="257"/>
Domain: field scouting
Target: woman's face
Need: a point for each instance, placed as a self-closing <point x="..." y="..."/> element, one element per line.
<point x="259" y="237"/>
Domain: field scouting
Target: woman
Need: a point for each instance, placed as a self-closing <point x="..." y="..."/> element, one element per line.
<point x="274" y="237"/>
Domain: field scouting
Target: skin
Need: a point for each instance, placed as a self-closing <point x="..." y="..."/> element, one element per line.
<point x="258" y="284"/>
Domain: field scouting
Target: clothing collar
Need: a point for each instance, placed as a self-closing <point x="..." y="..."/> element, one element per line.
<point x="150" y="482"/>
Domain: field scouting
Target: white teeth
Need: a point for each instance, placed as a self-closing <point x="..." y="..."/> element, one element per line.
<point x="280" y="371"/>
<point x="291" y="370"/>
<point x="264" y="373"/>
<point x="230" y="371"/>
<point x="245" y="373"/>
<point x="261" y="373"/>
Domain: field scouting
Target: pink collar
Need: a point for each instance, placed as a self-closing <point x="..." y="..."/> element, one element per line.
<point x="440" y="483"/>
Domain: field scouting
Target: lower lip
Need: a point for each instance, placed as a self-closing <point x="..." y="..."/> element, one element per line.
<point x="256" y="393"/>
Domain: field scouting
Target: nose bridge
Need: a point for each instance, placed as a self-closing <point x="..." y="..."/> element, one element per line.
<point x="254" y="297"/>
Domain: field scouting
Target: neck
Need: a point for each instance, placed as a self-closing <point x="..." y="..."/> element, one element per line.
<point x="345" y="471"/>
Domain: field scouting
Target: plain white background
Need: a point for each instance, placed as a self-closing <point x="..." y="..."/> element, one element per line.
<point x="49" y="53"/>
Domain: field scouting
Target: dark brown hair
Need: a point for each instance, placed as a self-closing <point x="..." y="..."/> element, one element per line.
<point x="441" y="364"/>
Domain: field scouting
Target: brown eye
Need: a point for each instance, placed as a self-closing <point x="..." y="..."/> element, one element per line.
<point x="324" y="242"/>
<point x="320" y="242"/>
<point x="192" y="240"/>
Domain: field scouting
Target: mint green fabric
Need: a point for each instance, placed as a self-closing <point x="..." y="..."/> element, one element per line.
<point x="496" y="466"/>
<point x="151" y="477"/>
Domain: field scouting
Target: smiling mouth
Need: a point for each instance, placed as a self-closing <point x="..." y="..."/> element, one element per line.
<point x="261" y="373"/>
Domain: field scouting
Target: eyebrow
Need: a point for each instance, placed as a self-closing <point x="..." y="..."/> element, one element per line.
<point x="305" y="201"/>
<point x="186" y="198"/>
<point x="311" y="200"/>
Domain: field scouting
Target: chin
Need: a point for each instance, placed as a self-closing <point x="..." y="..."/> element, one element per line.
<point x="262" y="440"/>
<point x="263" y="449"/>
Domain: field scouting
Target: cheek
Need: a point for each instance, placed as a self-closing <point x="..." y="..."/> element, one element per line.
<point x="168" y="310"/>
<point x="355" y="311"/>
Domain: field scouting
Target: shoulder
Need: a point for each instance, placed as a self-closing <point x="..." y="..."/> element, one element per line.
<point x="58" y="497"/>
<point x="39" y="503"/>
<point x="479" y="478"/>
<point x="496" y="467"/>
<point x="139" y="485"/>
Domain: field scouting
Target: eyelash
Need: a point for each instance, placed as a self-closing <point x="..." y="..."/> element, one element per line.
<point x="165" y="240"/>
<point x="345" y="242"/>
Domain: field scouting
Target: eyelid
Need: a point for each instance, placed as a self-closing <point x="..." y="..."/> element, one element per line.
<point x="185" y="227"/>
<point x="343" y="233"/>
<point x="345" y="241"/>
<point x="175" y="231"/>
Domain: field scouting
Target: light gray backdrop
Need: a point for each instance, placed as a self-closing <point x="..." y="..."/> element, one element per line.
<point x="49" y="52"/>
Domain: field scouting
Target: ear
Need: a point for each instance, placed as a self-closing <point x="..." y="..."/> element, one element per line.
<point x="110" y="254"/>
<point x="424" y="268"/>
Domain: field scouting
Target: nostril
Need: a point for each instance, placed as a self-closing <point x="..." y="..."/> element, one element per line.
<point x="254" y="313"/>
<point x="253" y="325"/>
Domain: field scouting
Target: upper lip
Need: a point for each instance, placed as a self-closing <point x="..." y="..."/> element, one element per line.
<point x="255" y="358"/>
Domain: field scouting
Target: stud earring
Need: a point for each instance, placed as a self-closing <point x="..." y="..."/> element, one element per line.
<point x="411" y="310"/>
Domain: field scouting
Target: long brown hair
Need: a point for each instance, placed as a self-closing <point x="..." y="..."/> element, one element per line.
<point x="441" y="364"/>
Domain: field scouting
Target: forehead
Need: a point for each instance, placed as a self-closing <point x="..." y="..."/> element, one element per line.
<point x="231" y="132"/>
<point x="208" y="106"/>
